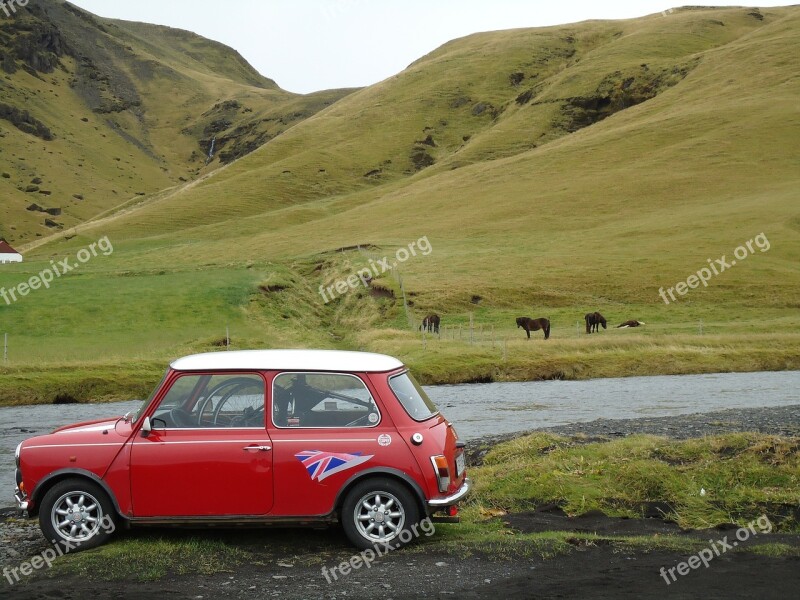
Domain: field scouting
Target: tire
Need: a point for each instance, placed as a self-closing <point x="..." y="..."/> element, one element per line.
<point x="74" y="531"/>
<point x="380" y="506"/>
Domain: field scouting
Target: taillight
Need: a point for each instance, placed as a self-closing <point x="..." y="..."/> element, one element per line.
<point x="442" y="472"/>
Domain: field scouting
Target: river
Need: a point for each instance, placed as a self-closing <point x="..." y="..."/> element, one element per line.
<point x="491" y="408"/>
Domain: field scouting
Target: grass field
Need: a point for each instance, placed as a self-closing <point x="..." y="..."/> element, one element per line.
<point x="554" y="171"/>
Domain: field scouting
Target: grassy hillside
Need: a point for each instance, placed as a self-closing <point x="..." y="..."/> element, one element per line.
<point x="554" y="172"/>
<point x="95" y="112"/>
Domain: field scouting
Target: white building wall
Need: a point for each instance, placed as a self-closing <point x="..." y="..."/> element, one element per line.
<point x="10" y="258"/>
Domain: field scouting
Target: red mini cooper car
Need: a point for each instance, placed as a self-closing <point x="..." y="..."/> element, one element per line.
<point x="262" y="436"/>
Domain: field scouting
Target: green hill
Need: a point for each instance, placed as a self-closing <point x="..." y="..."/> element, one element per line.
<point x="96" y="112"/>
<point x="554" y="171"/>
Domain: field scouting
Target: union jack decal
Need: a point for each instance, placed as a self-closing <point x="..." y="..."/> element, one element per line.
<point x="321" y="465"/>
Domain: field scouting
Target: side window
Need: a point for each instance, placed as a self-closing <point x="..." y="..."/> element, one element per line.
<point x="322" y="400"/>
<point x="213" y="401"/>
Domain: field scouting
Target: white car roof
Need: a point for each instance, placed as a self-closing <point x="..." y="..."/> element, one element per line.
<point x="288" y="360"/>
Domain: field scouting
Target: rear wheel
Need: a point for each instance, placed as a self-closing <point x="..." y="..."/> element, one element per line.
<point x="379" y="512"/>
<point x="76" y="514"/>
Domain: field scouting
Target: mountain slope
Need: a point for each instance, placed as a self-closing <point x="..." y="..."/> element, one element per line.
<point x="95" y="111"/>
<point x="673" y="85"/>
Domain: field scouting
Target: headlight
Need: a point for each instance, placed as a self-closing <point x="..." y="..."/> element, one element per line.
<point x="16" y="454"/>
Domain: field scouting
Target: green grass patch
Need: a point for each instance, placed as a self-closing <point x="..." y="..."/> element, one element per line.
<point x="776" y="550"/>
<point x="709" y="481"/>
<point x="149" y="558"/>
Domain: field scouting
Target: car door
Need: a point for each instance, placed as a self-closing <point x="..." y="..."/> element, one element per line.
<point x="208" y="453"/>
<point x="326" y="428"/>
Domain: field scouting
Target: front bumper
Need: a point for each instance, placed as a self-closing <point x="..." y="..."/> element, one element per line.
<point x="453" y="498"/>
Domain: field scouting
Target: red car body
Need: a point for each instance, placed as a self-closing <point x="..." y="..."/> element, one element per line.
<point x="264" y="473"/>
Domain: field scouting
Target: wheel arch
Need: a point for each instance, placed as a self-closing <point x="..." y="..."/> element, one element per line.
<point x="385" y="473"/>
<point x="53" y="478"/>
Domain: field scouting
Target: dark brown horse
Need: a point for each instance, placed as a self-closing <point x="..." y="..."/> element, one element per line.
<point x="593" y="322"/>
<point x="430" y="323"/>
<point x="627" y="324"/>
<point x="529" y="325"/>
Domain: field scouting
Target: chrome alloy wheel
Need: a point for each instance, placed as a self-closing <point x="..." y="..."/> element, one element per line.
<point x="76" y="516"/>
<point x="379" y="517"/>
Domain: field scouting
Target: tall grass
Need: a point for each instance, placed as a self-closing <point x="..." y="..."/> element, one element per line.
<point x="700" y="483"/>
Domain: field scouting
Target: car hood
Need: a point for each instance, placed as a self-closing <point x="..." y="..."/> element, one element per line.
<point x="88" y="426"/>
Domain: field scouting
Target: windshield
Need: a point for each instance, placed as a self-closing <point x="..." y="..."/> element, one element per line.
<point x="149" y="400"/>
<point x="413" y="398"/>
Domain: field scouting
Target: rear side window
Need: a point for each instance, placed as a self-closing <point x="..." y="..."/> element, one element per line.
<point x="316" y="400"/>
<point x="413" y="398"/>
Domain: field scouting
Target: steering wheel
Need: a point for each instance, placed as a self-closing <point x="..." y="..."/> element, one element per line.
<point x="242" y="385"/>
<point x="236" y="381"/>
<point x="181" y="417"/>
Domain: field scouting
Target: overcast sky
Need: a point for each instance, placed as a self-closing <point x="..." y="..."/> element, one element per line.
<point x="308" y="45"/>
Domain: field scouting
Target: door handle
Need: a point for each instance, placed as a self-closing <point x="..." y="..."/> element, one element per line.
<point x="258" y="448"/>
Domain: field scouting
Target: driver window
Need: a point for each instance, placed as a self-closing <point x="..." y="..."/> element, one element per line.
<point x="213" y="401"/>
<point x="322" y="400"/>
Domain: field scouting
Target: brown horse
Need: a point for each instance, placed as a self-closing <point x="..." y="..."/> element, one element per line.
<point x="529" y="325"/>
<point x="627" y="324"/>
<point x="593" y="322"/>
<point x="430" y="323"/>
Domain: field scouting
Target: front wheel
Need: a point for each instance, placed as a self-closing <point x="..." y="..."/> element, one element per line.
<point x="379" y="512"/>
<point x="76" y="515"/>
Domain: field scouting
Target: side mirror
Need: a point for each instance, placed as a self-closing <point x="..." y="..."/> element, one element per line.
<point x="147" y="427"/>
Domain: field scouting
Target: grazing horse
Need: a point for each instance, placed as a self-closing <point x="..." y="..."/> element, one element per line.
<point x="430" y="323"/>
<point x="593" y="322"/>
<point x="627" y="324"/>
<point x="529" y="325"/>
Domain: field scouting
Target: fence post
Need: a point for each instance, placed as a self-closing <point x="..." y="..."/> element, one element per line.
<point x="227" y="338"/>
<point x="409" y="317"/>
<point x="471" y="330"/>
<point x="5" y="349"/>
<point x="505" y="349"/>
<point x="492" y="335"/>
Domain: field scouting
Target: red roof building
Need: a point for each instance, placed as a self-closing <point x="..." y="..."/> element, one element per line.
<point x="8" y="254"/>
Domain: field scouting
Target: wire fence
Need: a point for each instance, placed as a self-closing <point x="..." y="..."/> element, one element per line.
<point x="472" y="332"/>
